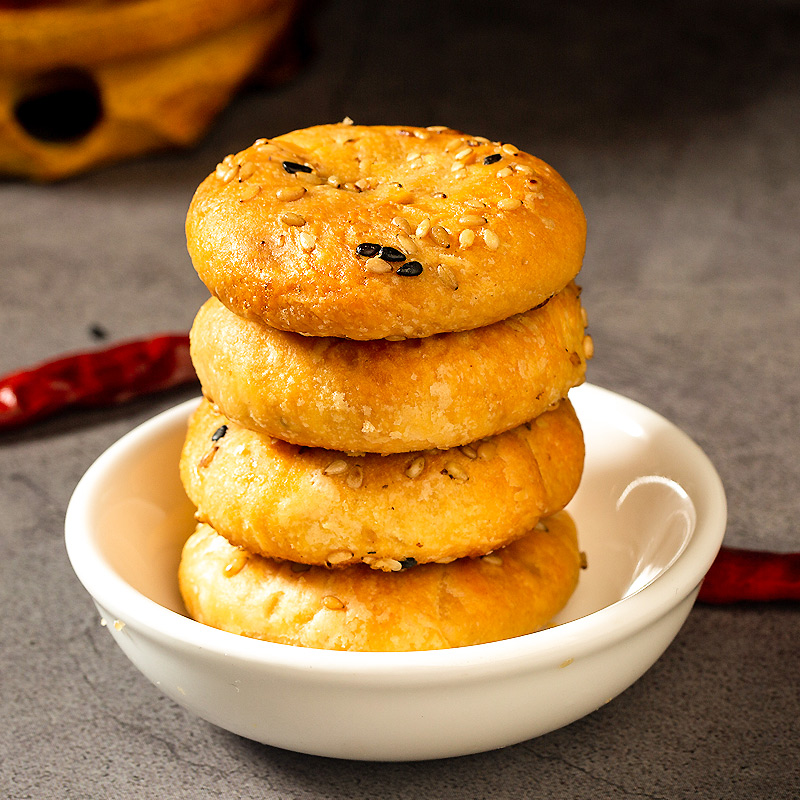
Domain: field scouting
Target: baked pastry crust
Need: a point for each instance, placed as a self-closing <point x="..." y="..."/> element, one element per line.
<point x="323" y="507"/>
<point x="275" y="231"/>
<point x="470" y="601"/>
<point x="388" y="397"/>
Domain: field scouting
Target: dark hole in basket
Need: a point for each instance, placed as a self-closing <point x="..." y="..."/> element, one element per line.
<point x="59" y="106"/>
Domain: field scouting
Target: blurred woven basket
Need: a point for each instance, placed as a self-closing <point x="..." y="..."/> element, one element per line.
<point x="87" y="83"/>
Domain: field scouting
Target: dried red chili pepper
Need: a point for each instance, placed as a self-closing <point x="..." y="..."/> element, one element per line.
<point x="95" y="378"/>
<point x="751" y="575"/>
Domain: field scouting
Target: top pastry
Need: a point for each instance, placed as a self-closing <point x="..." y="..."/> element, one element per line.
<point x="372" y="232"/>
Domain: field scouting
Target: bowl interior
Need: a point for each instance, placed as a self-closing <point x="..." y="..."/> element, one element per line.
<point x="635" y="509"/>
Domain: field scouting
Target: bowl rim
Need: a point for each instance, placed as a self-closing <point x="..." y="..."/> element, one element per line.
<point x="543" y="648"/>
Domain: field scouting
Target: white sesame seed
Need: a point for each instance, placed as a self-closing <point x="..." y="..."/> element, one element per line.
<point x="236" y="564"/>
<point x="402" y="223"/>
<point x="307" y="240"/>
<point x="504" y="172"/>
<point x="524" y="169"/>
<point x="412" y="156"/>
<point x="456" y="471"/>
<point x="339" y="557"/>
<point x="336" y="467"/>
<point x="423" y="229"/>
<point x="462" y="155"/>
<point x="452" y="144"/>
<point x="247" y="170"/>
<point x="229" y="174"/>
<point x="260" y="142"/>
<point x="491" y="239"/>
<point x="588" y="347"/>
<point x="457" y="166"/>
<point x="469" y="451"/>
<point x="474" y="204"/>
<point x="289" y="193"/>
<point x="249" y="192"/>
<point x="292" y="219"/>
<point x="347" y="121"/>
<point x="584" y="317"/>
<point x="355" y="477"/>
<point x="415" y="468"/>
<point x="509" y="149"/>
<point x="386" y="564"/>
<point x="509" y="203"/>
<point x="472" y="220"/>
<point x="493" y="559"/>
<point x="447" y="276"/>
<point x="486" y="450"/>
<point x="466" y="238"/>
<point x="440" y="236"/>
<point x="332" y="602"/>
<point x="407" y="243"/>
<point x="377" y="265"/>
<point x="333" y="180"/>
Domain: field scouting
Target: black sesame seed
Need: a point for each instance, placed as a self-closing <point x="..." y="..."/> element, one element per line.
<point x="492" y="159"/>
<point x="368" y="249"/>
<point x="219" y="433"/>
<point x="410" y="269"/>
<point x="292" y="167"/>
<point x="406" y="563"/>
<point x="388" y="253"/>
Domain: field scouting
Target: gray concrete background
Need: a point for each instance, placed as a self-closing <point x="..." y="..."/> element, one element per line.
<point x="678" y="125"/>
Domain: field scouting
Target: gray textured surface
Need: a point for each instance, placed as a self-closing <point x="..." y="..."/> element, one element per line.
<point x="677" y="125"/>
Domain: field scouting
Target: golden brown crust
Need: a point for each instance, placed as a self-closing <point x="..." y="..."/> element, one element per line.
<point x="281" y="246"/>
<point x="471" y="601"/>
<point x="389" y="397"/>
<point x="322" y="507"/>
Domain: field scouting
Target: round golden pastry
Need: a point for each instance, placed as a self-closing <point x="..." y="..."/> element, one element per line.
<point x="429" y="607"/>
<point x="324" y="507"/>
<point x="302" y="231"/>
<point x="389" y="397"/>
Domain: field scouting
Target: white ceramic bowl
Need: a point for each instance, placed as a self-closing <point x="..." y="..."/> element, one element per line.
<point x="650" y="513"/>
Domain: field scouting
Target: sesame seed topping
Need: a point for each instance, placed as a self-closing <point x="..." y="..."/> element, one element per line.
<point x="355" y="477"/>
<point x="584" y="317"/>
<point x="378" y="266"/>
<point x="415" y="468"/>
<point x="407" y="243"/>
<point x="531" y="196"/>
<point x="339" y="557"/>
<point x="294" y="220"/>
<point x="246" y="170"/>
<point x="228" y="175"/>
<point x="469" y="451"/>
<point x="486" y="450"/>
<point x="524" y="169"/>
<point x="236" y="564"/>
<point x="463" y="155"/>
<point x="334" y="181"/>
<point x="493" y="559"/>
<point x="588" y="347"/>
<point x="292" y="167"/>
<point x="403" y="224"/>
<point x="540" y="526"/>
<point x="385" y="564"/>
<point x="336" y="467"/>
<point x="368" y="249"/>
<point x="474" y="204"/>
<point x="457" y="166"/>
<point x="440" y="236"/>
<point x="509" y="203"/>
<point x="548" y="223"/>
<point x="260" y="142"/>
<point x="439" y="195"/>
<point x="389" y="253"/>
<point x="347" y="121"/>
<point x="455" y="471"/>
<point x="332" y="602"/>
<point x="219" y="433"/>
<point x="504" y="172"/>
<point x="249" y="192"/>
<point x="412" y="156"/>
<point x="509" y="149"/>
<point x="208" y="456"/>
<point x="491" y="239"/>
<point x="452" y="144"/>
<point x="410" y="269"/>
<point x="447" y="276"/>
<point x="471" y="220"/>
<point x="492" y="159"/>
<point x="466" y="238"/>
<point x="307" y="240"/>
<point x="289" y="193"/>
<point x="423" y="229"/>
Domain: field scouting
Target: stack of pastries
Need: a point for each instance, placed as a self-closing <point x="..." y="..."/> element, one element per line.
<point x="385" y="445"/>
